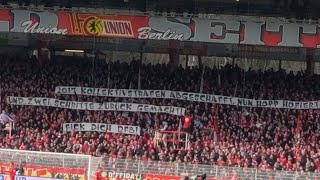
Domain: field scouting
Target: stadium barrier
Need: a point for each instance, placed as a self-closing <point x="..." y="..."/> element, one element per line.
<point x="84" y="167"/>
<point x="47" y="165"/>
<point x="7" y="177"/>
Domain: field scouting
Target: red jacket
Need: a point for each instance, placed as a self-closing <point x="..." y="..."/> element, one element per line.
<point x="12" y="173"/>
<point x="187" y="121"/>
<point x="98" y="175"/>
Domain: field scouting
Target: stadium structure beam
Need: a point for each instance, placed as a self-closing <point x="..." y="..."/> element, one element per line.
<point x="310" y="58"/>
<point x="173" y="53"/>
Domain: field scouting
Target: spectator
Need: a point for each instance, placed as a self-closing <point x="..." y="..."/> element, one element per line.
<point x="262" y="138"/>
<point x="19" y="170"/>
<point x="12" y="172"/>
<point x="4" y="119"/>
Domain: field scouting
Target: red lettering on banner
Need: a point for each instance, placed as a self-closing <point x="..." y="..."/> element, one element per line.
<point x="310" y="40"/>
<point x="270" y="38"/>
<point x="118" y="28"/>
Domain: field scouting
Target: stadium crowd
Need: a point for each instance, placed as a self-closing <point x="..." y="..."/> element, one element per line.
<point x="223" y="135"/>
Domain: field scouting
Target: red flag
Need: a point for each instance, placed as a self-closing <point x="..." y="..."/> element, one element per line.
<point x="187" y="121"/>
<point x="298" y="127"/>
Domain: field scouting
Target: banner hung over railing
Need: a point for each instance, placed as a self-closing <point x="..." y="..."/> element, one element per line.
<point x="161" y="28"/>
<point x="46" y="173"/>
<point x="107" y="106"/>
<point x="7" y="177"/>
<point x="102" y="127"/>
<point x="175" y="177"/>
<point x="187" y="96"/>
<point x="119" y="176"/>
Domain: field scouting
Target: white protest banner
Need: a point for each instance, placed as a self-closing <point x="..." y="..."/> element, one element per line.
<point x="107" y="106"/>
<point x="101" y="127"/>
<point x="187" y="96"/>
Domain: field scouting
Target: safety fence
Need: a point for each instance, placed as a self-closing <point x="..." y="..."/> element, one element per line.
<point x="45" y="164"/>
<point x="171" y="170"/>
<point x="83" y="167"/>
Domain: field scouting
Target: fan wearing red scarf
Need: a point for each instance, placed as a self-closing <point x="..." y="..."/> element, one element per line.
<point x="187" y="123"/>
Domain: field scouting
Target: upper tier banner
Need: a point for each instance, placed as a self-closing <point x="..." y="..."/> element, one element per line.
<point x="187" y="96"/>
<point x="161" y="28"/>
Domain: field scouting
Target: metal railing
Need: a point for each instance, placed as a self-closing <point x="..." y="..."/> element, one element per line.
<point x="146" y="167"/>
<point x="48" y="159"/>
<point x="182" y="169"/>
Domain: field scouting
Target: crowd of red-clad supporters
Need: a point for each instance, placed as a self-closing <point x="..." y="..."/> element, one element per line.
<point x="221" y="135"/>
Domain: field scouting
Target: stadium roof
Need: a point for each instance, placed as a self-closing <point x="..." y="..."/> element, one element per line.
<point x="16" y="41"/>
<point x="283" y="8"/>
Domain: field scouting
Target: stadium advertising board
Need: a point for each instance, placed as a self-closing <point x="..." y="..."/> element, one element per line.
<point x="188" y="96"/>
<point x="160" y="177"/>
<point x="44" y="172"/>
<point x="161" y="28"/>
<point x="172" y="177"/>
<point x="92" y="106"/>
<point x="7" y="177"/>
<point x="102" y="127"/>
<point x="119" y="176"/>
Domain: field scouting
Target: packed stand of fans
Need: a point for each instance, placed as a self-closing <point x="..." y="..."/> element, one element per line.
<point x="221" y="135"/>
